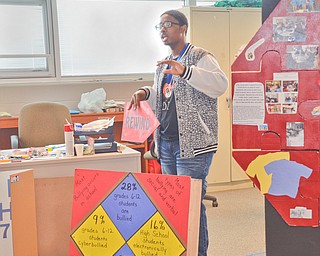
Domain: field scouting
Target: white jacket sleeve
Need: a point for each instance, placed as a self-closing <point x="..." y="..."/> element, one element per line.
<point x="207" y="77"/>
<point x="151" y="94"/>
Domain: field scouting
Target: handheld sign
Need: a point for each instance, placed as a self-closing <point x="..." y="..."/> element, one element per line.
<point x="138" y="124"/>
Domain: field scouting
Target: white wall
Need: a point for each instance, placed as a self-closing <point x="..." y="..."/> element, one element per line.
<point x="13" y="97"/>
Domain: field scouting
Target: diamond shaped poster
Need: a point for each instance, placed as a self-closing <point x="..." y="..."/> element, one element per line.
<point x="124" y="213"/>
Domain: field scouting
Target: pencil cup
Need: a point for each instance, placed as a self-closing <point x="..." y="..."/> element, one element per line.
<point x="79" y="149"/>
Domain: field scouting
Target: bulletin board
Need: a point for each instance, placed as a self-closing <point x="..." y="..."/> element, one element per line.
<point x="276" y="111"/>
<point x="276" y="123"/>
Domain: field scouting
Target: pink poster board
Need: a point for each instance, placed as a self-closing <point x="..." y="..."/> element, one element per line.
<point x="138" y="124"/>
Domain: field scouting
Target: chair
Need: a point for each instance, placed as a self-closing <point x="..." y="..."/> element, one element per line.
<point x="41" y="124"/>
<point x="152" y="155"/>
<point x="213" y="199"/>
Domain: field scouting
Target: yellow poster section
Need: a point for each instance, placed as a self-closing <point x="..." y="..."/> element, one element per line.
<point x="156" y="238"/>
<point x="98" y="235"/>
<point x="256" y="168"/>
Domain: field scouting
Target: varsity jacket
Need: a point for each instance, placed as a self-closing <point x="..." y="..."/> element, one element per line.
<point x="196" y="93"/>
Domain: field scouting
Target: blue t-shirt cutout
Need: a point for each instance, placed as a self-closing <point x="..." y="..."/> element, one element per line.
<point x="286" y="177"/>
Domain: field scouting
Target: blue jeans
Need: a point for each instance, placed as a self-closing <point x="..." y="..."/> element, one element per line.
<point x="197" y="168"/>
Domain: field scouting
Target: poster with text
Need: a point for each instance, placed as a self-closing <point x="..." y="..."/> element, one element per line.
<point x="121" y="213"/>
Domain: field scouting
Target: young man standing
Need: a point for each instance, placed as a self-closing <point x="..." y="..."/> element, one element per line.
<point x="184" y="97"/>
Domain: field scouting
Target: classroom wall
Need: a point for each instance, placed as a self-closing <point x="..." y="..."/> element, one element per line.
<point x="13" y="97"/>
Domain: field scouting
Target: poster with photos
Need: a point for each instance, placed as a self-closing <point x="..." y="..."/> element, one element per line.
<point x="281" y="96"/>
<point x="302" y="6"/>
<point x="301" y="57"/>
<point x="289" y="29"/>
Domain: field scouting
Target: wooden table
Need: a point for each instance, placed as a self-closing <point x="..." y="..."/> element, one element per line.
<point x="9" y="126"/>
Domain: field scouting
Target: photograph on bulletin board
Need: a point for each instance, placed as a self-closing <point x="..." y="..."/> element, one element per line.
<point x="301" y="57"/>
<point x="302" y="6"/>
<point x="289" y="29"/>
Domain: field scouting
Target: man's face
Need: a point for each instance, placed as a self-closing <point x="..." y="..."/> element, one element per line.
<point x="172" y="35"/>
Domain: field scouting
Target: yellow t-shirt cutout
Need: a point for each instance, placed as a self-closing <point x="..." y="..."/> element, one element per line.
<point x="256" y="168"/>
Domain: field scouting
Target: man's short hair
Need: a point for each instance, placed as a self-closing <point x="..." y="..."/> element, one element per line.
<point x="179" y="16"/>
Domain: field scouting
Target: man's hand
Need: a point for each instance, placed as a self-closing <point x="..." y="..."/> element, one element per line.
<point x="176" y="68"/>
<point x="136" y="98"/>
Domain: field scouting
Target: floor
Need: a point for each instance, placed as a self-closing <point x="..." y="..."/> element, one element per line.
<point x="237" y="225"/>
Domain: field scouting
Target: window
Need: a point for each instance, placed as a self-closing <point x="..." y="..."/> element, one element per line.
<point x="73" y="38"/>
<point x="25" y="50"/>
<point x="110" y="37"/>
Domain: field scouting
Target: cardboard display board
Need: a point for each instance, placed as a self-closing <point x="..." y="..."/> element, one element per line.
<point x="6" y="212"/>
<point x="24" y="224"/>
<point x="41" y="214"/>
<point x="131" y="214"/>
<point x="53" y="200"/>
<point x="58" y="216"/>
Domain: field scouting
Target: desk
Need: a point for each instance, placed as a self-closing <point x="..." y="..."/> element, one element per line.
<point x="9" y="126"/>
<point x="128" y="160"/>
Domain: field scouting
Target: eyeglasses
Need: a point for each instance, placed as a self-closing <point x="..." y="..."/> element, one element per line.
<point x="166" y="24"/>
